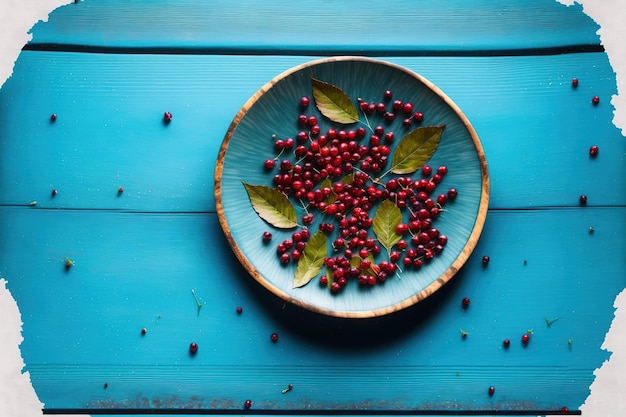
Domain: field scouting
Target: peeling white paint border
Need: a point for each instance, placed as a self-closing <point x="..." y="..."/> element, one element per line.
<point x="17" y="396"/>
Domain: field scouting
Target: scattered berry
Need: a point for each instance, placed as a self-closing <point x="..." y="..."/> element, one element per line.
<point x="120" y="190"/>
<point x="247" y="404"/>
<point x="144" y="331"/>
<point x="595" y="100"/>
<point x="575" y="82"/>
<point x="526" y="337"/>
<point x="564" y="410"/>
<point x="485" y="260"/>
<point x="304" y="102"/>
<point x="193" y="348"/>
<point x="583" y="200"/>
<point x="506" y="343"/>
<point x="274" y="337"/>
<point x="53" y="117"/>
<point x="492" y="390"/>
<point x="53" y="193"/>
<point x="239" y="310"/>
<point x="267" y="236"/>
<point x="593" y="151"/>
<point x="68" y="263"/>
<point x="167" y="117"/>
<point x="465" y="302"/>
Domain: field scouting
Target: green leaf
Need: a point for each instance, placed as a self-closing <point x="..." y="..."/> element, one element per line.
<point x="333" y="103"/>
<point x="311" y="261"/>
<point x="271" y="205"/>
<point x="388" y="216"/>
<point x="356" y="260"/>
<point x="415" y="149"/>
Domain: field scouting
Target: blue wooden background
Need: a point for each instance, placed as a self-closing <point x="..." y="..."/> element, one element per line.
<point x="109" y="69"/>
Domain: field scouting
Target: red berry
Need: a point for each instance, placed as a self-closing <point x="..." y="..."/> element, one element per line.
<point x="525" y="339"/>
<point x="239" y="310"/>
<point x="120" y="190"/>
<point x="583" y="200"/>
<point x="593" y="151"/>
<point x="452" y="193"/>
<point x="595" y="100"/>
<point x="407" y="108"/>
<point x="418" y="117"/>
<point x="492" y="390"/>
<point x="247" y="404"/>
<point x="427" y="170"/>
<point x="68" y="263"/>
<point x="193" y="348"/>
<point x="53" y="117"/>
<point x="167" y="117"/>
<point x="575" y="82"/>
<point x="267" y="236"/>
<point x="54" y="192"/>
<point x="506" y="343"/>
<point x="304" y="101"/>
<point x="564" y="410"/>
<point x="144" y="331"/>
<point x="387" y="95"/>
<point x="269" y="164"/>
<point x="274" y="337"/>
<point x="485" y="260"/>
<point x="465" y="302"/>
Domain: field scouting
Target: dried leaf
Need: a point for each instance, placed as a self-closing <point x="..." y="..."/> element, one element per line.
<point x="388" y="216"/>
<point x="333" y="103"/>
<point x="272" y="206"/>
<point x="415" y="149"/>
<point x="311" y="261"/>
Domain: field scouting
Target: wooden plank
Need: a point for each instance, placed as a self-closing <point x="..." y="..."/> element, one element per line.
<point x="337" y="27"/>
<point x="82" y="327"/>
<point x="535" y="128"/>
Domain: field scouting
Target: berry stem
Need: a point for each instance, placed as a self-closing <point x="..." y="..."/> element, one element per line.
<point x="549" y="322"/>
<point x="198" y="302"/>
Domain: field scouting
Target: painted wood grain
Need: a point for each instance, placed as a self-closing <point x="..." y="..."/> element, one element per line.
<point x="535" y="128"/>
<point x="136" y="270"/>
<point x="335" y="27"/>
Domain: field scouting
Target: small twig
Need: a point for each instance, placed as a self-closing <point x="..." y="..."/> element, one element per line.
<point x="549" y="322"/>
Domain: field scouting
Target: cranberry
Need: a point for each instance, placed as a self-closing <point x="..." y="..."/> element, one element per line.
<point x="593" y="151"/>
<point x="525" y="338"/>
<point x="575" y="82"/>
<point x="247" y="404"/>
<point x="595" y="100"/>
<point x="167" y="117"/>
<point x="506" y="343"/>
<point x="269" y="164"/>
<point x="267" y="236"/>
<point x="452" y="193"/>
<point x="387" y="95"/>
<point x="193" y="348"/>
<point x="418" y="117"/>
<point x="583" y="200"/>
<point x="239" y="310"/>
<point x="465" y="302"/>
<point x="492" y="390"/>
<point x="53" y="117"/>
<point x="274" y="337"/>
<point x="304" y="102"/>
<point x="407" y="108"/>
